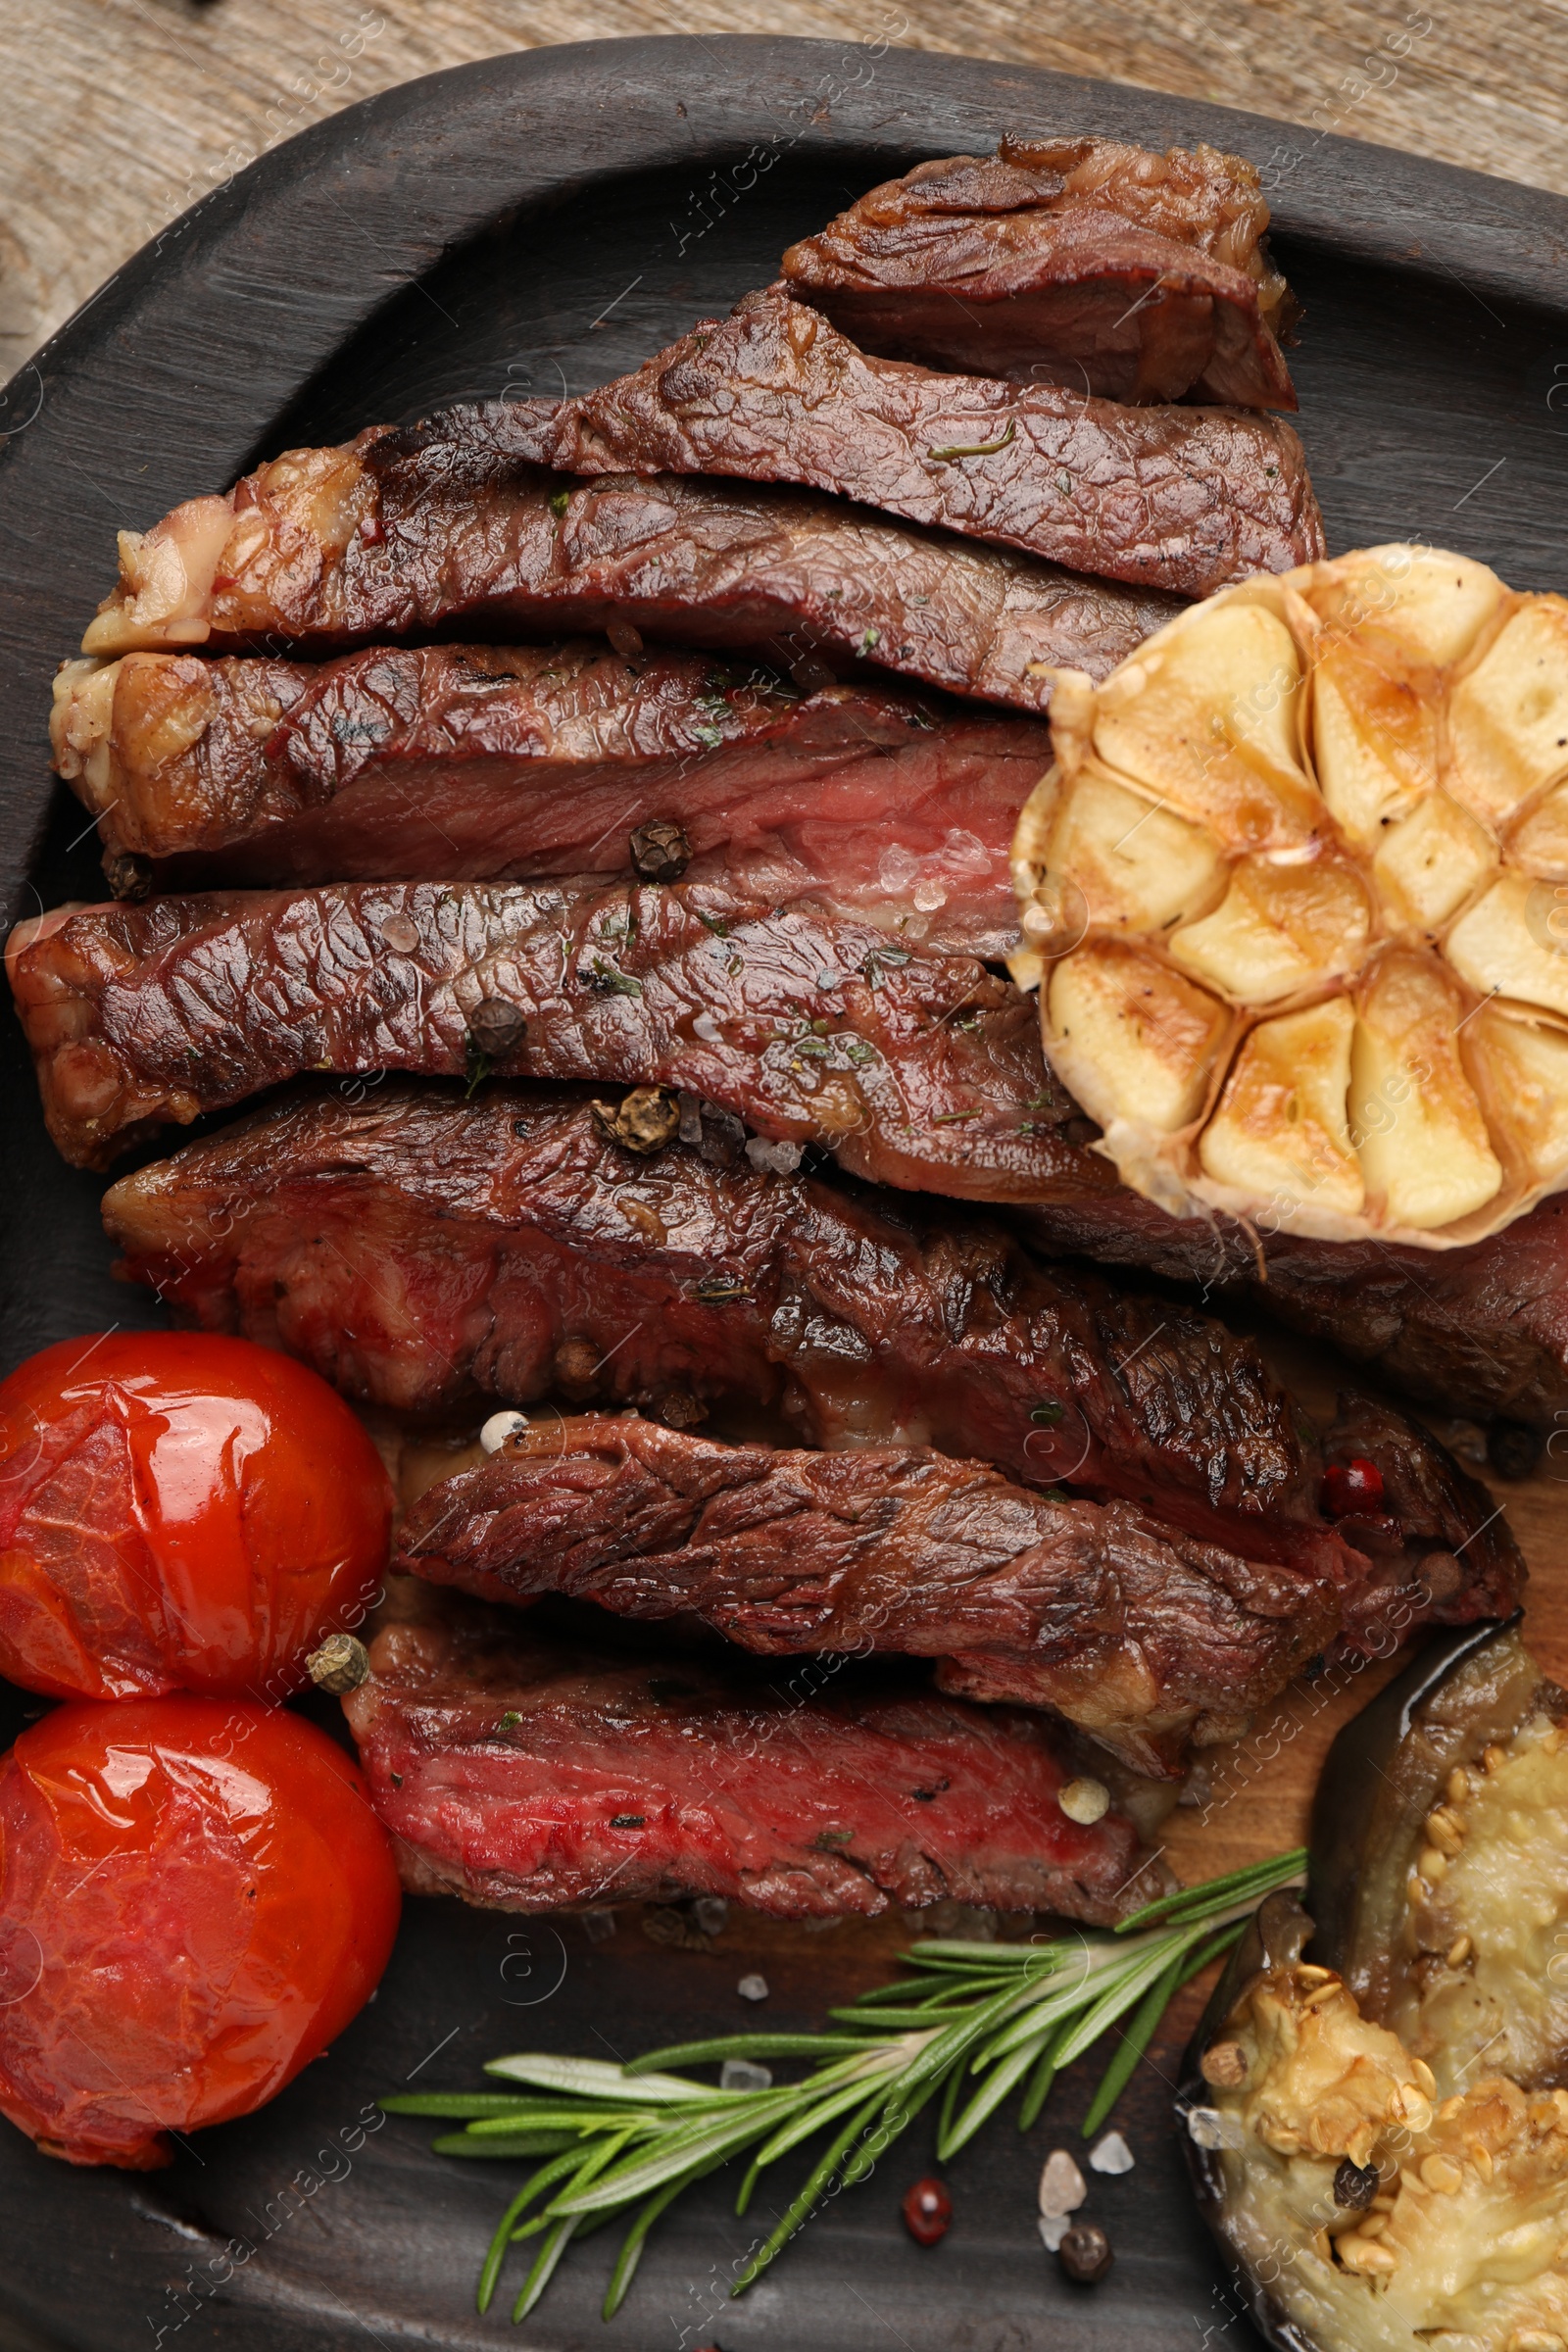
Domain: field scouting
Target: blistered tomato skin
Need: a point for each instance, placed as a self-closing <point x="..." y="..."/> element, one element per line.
<point x="180" y="1512"/>
<point x="195" y="1899"/>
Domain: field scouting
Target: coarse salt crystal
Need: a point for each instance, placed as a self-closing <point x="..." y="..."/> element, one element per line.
<point x="752" y="1988"/>
<point x="1062" y="2186"/>
<point x="1111" y="2155"/>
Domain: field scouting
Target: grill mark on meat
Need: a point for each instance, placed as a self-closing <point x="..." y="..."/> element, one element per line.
<point x="1477" y="1331"/>
<point x="1082" y="262"/>
<point x="478" y="763"/>
<point x="419" y="1249"/>
<point x="433" y="530"/>
<point x="1141" y="1639"/>
<point x="527" y="1775"/>
<point x="916" y="1069"/>
<point x="1181" y="499"/>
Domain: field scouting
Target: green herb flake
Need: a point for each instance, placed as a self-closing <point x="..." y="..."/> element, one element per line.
<point x="615" y="984"/>
<point x="560" y="501"/>
<point x="973" y="448"/>
<point x="1045" y="1416"/>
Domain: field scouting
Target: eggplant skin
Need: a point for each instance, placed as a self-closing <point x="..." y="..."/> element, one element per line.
<point x="1420" y="2029"/>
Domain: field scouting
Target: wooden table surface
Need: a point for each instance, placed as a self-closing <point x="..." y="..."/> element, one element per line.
<point x="121" y="113"/>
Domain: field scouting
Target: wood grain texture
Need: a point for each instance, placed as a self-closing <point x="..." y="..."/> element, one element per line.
<point x="121" y="113"/>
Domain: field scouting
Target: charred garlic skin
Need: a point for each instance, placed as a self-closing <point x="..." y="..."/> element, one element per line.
<point x="1294" y="892"/>
<point x="1373" y="2108"/>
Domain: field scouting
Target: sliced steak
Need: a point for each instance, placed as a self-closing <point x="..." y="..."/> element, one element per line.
<point x="1479" y="1332"/>
<point x="417" y="1249"/>
<point x="527" y="1775"/>
<point x="1185" y="499"/>
<point x="434" y="530"/>
<point x="489" y="763"/>
<point x="1143" y="1638"/>
<point x="1079" y="262"/>
<point x="919" y="1070"/>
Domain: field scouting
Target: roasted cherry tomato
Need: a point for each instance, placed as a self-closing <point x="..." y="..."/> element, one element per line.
<point x="1352" y="1486"/>
<point x="179" y="1512"/>
<point x="195" y="1898"/>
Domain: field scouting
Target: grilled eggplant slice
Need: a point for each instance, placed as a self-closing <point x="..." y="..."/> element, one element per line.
<point x="1375" y="2107"/>
<point x="1295" y="896"/>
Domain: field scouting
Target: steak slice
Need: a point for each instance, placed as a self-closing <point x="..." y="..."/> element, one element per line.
<point x="434" y="530"/>
<point x="920" y="1070"/>
<point x="419" y="1249"/>
<point x="1185" y="499"/>
<point x="1080" y="262"/>
<point x="529" y="1775"/>
<point x="1481" y="1331"/>
<point x="1144" y="1638"/>
<point x="489" y="763"/>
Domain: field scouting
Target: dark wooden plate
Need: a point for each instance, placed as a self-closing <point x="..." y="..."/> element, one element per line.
<point x="540" y="222"/>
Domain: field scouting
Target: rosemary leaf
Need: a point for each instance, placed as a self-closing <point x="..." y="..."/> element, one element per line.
<point x="526" y="2143"/>
<point x="815" y="2182"/>
<point x="454" y="2106"/>
<point x="752" y="2045"/>
<point x="1040" y="2081"/>
<point x="1141" y="2032"/>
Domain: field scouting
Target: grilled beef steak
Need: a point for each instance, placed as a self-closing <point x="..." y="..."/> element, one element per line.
<point x="1480" y="1331"/>
<point x="433" y="530"/>
<point x="526" y="1775"/>
<point x="489" y="763"/>
<point x="1079" y="262"/>
<point x="916" y="1069"/>
<point x="1143" y="1638"/>
<point x="1185" y="499"/>
<point x="418" y="1249"/>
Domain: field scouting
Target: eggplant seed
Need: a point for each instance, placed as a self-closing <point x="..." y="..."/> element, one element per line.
<point x="1224" y="2064"/>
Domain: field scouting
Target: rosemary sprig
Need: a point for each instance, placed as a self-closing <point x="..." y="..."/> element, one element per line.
<point x="979" y="2019"/>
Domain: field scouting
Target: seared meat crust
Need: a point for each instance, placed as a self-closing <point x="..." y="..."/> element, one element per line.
<point x="1181" y="499"/>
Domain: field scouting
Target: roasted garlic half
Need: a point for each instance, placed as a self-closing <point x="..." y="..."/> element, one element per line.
<point x="1294" y="894"/>
<point x="1377" y="2130"/>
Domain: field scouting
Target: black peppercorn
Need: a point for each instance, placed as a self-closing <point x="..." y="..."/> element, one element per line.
<point x="1085" y="2253"/>
<point x="659" y="851"/>
<point x="1513" y="1448"/>
<point x="1355" y="2185"/>
<point x="128" y="875"/>
<point x="494" y="1028"/>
